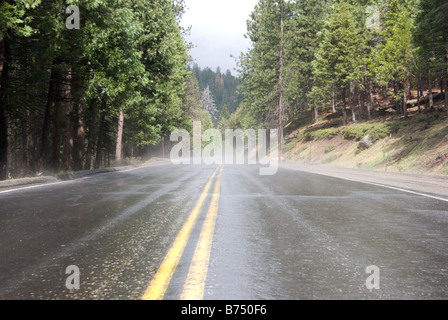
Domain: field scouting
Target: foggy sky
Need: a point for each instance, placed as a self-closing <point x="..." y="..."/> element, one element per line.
<point x="217" y="31"/>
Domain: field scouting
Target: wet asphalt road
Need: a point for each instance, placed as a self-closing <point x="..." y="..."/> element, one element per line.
<point x="291" y="236"/>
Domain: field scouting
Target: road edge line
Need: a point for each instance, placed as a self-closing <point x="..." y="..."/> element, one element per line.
<point x="374" y="184"/>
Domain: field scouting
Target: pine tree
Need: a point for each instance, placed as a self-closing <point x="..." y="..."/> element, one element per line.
<point x="338" y="65"/>
<point x="307" y="19"/>
<point x="262" y="69"/>
<point x="223" y="119"/>
<point x="430" y="38"/>
<point x="191" y="104"/>
<point x="393" y="61"/>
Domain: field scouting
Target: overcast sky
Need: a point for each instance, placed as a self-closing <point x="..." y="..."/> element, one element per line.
<point x="217" y="31"/>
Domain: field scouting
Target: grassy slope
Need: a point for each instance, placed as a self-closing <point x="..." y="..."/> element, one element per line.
<point x="414" y="147"/>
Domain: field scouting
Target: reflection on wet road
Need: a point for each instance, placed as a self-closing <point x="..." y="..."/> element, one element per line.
<point x="294" y="235"/>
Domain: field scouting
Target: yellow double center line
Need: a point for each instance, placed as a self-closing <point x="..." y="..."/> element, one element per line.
<point x="195" y="283"/>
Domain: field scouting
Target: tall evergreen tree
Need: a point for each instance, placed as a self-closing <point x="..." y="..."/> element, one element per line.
<point x="338" y="65"/>
<point x="306" y="20"/>
<point x="262" y="69"/>
<point x="393" y="61"/>
<point x="430" y="38"/>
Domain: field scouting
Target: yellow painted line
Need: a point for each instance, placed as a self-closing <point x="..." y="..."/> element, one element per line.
<point x="162" y="278"/>
<point x="195" y="282"/>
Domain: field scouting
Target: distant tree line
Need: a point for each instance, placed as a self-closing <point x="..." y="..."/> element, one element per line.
<point x="222" y="86"/>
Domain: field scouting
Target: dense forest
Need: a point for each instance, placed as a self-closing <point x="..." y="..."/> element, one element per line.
<point x="88" y="96"/>
<point x="78" y="97"/>
<point x="318" y="55"/>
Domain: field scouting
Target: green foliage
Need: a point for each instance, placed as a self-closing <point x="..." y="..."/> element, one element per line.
<point x="13" y="17"/>
<point x="430" y="34"/>
<point x="223" y="119"/>
<point x="321" y="134"/>
<point x="259" y="69"/>
<point x="307" y="19"/>
<point x="338" y="58"/>
<point x="393" y="61"/>
<point x="376" y="131"/>
<point x="127" y="55"/>
<point x="191" y="104"/>
<point x="288" y="146"/>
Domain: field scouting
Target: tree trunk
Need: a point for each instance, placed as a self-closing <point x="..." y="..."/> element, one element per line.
<point x="119" y="147"/>
<point x="334" y="101"/>
<point x="419" y="91"/>
<point x="55" y="154"/>
<point x="68" y="131"/>
<point x="370" y="101"/>
<point x="396" y="91"/>
<point x="46" y="123"/>
<point x="24" y="143"/>
<point x="350" y="101"/>
<point x="4" y="67"/>
<point x="445" y="87"/>
<point x="91" y="138"/>
<point x="32" y="161"/>
<point x="99" y="146"/>
<point x="362" y="109"/>
<point x="316" y="114"/>
<point x="3" y="144"/>
<point x="446" y="95"/>
<point x="431" y="99"/>
<point x="344" y="106"/>
<point x="446" y="81"/>
<point x="405" y="98"/>
<point x="385" y="95"/>
<point x="281" y="86"/>
<point x="79" y="136"/>
<point x="427" y="106"/>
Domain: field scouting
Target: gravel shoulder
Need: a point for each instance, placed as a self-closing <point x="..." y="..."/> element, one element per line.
<point x="427" y="184"/>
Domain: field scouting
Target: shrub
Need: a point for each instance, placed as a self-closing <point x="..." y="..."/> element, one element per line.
<point x="330" y="148"/>
<point x="321" y="134"/>
<point x="376" y="131"/>
<point x="331" y="158"/>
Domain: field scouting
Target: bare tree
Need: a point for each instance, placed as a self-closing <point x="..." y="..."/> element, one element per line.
<point x="208" y="103"/>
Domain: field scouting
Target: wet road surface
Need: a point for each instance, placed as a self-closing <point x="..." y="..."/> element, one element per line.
<point x="199" y="232"/>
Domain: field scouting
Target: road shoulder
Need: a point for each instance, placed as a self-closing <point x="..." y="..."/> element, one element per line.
<point x="427" y="184"/>
<point x="13" y="184"/>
